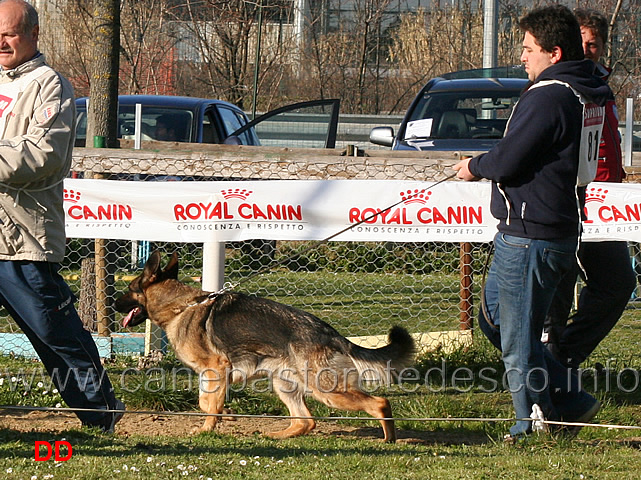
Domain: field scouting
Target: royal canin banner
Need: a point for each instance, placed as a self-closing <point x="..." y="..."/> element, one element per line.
<point x="316" y="209"/>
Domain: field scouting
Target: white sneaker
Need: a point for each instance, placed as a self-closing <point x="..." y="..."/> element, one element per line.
<point x="538" y="420"/>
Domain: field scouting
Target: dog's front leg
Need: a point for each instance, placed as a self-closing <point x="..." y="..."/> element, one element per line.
<point x="213" y="387"/>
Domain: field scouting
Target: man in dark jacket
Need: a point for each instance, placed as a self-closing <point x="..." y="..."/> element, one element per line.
<point x="534" y="171"/>
<point x="609" y="277"/>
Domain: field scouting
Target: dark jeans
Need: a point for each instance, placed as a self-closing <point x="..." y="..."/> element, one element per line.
<point x="42" y="305"/>
<point x="609" y="284"/>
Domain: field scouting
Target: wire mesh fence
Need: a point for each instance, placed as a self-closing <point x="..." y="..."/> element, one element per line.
<point x="360" y="288"/>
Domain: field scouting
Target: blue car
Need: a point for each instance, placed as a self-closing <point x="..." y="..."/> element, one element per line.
<point x="459" y="111"/>
<point x="174" y="119"/>
<point x="201" y="120"/>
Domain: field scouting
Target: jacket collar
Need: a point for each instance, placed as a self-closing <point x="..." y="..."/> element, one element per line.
<point x="26" y="67"/>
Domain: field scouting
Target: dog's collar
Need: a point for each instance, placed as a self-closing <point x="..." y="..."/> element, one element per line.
<point x="205" y="299"/>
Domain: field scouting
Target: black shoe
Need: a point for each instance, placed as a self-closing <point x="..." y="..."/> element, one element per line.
<point x="573" y="430"/>
<point x="108" y="422"/>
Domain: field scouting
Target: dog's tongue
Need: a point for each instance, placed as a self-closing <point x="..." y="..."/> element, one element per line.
<point x="129" y="316"/>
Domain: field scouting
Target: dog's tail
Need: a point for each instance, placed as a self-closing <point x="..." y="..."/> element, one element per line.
<point x="381" y="365"/>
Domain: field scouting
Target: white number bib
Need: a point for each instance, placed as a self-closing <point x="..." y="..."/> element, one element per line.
<point x="593" y="117"/>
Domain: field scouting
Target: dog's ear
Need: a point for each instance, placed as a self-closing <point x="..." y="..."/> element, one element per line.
<point x="171" y="270"/>
<point x="151" y="270"/>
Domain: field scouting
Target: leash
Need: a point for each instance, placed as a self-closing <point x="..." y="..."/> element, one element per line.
<point x="230" y="286"/>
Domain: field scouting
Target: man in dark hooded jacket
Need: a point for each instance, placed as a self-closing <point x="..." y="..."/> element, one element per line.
<point x="537" y="199"/>
<point x="609" y="277"/>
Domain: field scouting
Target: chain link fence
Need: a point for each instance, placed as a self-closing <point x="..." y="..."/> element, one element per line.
<point x="362" y="289"/>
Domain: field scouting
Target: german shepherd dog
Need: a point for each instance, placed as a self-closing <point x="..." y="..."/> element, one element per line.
<point x="228" y="337"/>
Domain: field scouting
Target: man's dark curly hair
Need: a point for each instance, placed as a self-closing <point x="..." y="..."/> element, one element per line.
<point x="555" y="26"/>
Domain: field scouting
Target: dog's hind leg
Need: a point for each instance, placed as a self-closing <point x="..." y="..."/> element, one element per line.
<point x="355" y="400"/>
<point x="293" y="396"/>
<point x="213" y="388"/>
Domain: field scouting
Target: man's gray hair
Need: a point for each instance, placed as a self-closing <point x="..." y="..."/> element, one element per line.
<point x="29" y="15"/>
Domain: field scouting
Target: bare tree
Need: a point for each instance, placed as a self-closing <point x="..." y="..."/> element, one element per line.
<point x="148" y="47"/>
<point x="346" y="60"/>
<point x="218" y="34"/>
<point x="102" y="123"/>
<point x="363" y="52"/>
<point x="68" y="26"/>
<point x="429" y="43"/>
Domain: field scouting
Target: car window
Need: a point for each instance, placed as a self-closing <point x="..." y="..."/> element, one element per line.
<point x="81" y="127"/>
<point x="162" y="124"/>
<point x="310" y="124"/>
<point x="461" y="115"/>
<point x="232" y="121"/>
<point x="210" y="132"/>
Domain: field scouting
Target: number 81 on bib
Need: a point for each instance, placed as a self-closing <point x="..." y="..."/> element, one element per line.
<point x="591" y="128"/>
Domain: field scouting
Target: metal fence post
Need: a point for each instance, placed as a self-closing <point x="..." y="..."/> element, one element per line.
<point x="465" y="305"/>
<point x="629" y="132"/>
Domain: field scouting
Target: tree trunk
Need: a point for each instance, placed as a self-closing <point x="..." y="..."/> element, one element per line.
<point x="103" y="96"/>
<point x="87" y="302"/>
<point x="102" y="131"/>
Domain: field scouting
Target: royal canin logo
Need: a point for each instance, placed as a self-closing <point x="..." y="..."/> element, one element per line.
<point x="415" y="196"/>
<point x="239" y="193"/>
<point x="607" y="212"/>
<point x="232" y="210"/>
<point x="71" y="196"/>
<point x="409" y="214"/>
<point x="595" y="194"/>
<point x="103" y="212"/>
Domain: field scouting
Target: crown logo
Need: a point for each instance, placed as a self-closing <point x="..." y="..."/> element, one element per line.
<point x="415" y="196"/>
<point x="71" y="196"/>
<point x="595" y="194"/>
<point x="240" y="193"/>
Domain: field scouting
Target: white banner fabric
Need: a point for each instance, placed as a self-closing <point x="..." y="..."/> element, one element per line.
<point x="314" y="210"/>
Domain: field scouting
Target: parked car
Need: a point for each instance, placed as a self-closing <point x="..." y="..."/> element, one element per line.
<point x="169" y="118"/>
<point x="201" y="120"/>
<point x="466" y="110"/>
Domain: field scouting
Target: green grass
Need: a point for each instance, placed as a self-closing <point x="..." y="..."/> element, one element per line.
<point x="368" y="303"/>
<point x="447" y="448"/>
<point x="438" y="449"/>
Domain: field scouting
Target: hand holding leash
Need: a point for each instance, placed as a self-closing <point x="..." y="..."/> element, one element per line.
<point x="463" y="171"/>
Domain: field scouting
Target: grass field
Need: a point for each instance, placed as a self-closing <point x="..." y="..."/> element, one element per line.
<point x="215" y="456"/>
<point x="434" y="449"/>
<point x="442" y="445"/>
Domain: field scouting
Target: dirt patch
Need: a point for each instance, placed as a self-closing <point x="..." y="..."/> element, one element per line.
<point x="182" y="425"/>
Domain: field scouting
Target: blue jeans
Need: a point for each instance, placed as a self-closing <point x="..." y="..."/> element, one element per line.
<point x="518" y="292"/>
<point x="42" y="305"/>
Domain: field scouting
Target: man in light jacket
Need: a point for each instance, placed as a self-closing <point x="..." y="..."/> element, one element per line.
<point x="37" y="118"/>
